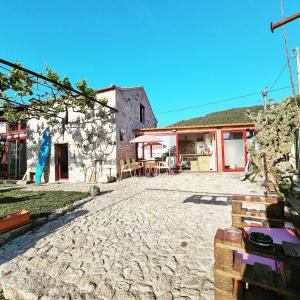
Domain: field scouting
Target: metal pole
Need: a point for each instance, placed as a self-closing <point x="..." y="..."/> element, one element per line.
<point x="264" y="94"/>
<point x="296" y="53"/>
<point x="71" y="89"/>
<point x="284" y="21"/>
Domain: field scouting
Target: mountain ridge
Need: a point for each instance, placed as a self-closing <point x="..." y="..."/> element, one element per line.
<point x="230" y="116"/>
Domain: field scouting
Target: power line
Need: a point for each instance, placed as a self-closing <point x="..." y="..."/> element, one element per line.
<point x="278" y="77"/>
<point x="219" y="101"/>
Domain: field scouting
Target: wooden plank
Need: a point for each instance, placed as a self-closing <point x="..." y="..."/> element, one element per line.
<point x="275" y="285"/>
<point x="258" y="293"/>
<point x="223" y="295"/>
<point x="291" y="250"/>
<point x="256" y="199"/>
<point x="295" y="203"/>
<point x="257" y="215"/>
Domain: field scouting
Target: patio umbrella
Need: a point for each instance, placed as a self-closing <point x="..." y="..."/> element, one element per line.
<point x="147" y="139"/>
<point x="155" y="146"/>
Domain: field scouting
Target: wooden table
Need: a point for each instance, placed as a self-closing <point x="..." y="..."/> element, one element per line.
<point x="232" y="274"/>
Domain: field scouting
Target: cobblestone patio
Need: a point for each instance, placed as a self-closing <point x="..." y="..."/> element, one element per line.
<point x="143" y="238"/>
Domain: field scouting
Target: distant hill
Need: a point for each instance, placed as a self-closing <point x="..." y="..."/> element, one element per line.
<point x="230" y="116"/>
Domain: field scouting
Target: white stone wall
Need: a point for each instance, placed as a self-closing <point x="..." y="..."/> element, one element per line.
<point x="88" y="160"/>
<point x="128" y="118"/>
<point x="91" y="161"/>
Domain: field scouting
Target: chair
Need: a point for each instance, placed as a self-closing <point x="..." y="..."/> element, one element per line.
<point x="137" y="166"/>
<point x="150" y="167"/>
<point x="125" y="168"/>
<point x="161" y="165"/>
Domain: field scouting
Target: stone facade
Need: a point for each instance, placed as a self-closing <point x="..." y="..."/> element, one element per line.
<point x="94" y="148"/>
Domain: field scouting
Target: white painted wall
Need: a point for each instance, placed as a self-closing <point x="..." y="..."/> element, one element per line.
<point x="90" y="165"/>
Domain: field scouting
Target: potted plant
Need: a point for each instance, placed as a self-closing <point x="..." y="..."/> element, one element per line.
<point x="14" y="220"/>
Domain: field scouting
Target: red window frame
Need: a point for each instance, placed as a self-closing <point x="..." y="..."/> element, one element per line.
<point x="177" y="148"/>
<point x="223" y="150"/>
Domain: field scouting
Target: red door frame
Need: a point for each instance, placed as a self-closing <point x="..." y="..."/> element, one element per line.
<point x="58" y="153"/>
<point x="198" y="131"/>
<point x="223" y="152"/>
<point x="176" y="134"/>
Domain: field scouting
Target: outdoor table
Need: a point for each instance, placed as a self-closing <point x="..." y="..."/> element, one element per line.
<point x="275" y="268"/>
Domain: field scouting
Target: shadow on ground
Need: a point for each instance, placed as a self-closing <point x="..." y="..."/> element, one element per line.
<point x="22" y="243"/>
<point x="209" y="199"/>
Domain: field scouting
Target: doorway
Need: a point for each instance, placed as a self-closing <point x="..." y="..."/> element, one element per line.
<point x="61" y="161"/>
<point x="234" y="150"/>
<point x="16" y="158"/>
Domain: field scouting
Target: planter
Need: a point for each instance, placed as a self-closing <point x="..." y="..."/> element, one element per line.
<point x="14" y="220"/>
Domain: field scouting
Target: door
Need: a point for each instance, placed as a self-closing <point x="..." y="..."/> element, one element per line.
<point x="61" y="160"/>
<point x="16" y="159"/>
<point x="234" y="150"/>
<point x="12" y="159"/>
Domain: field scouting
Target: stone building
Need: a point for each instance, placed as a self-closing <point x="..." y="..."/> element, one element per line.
<point x="84" y="148"/>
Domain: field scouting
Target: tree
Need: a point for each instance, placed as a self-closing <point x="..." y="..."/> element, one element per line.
<point x="52" y="100"/>
<point x="24" y="96"/>
<point x="274" y="134"/>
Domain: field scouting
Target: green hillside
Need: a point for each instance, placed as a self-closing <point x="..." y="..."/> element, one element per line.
<point x="230" y="116"/>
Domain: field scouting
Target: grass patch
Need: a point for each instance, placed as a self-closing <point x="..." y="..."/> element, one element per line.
<point x="39" y="203"/>
<point x="5" y="184"/>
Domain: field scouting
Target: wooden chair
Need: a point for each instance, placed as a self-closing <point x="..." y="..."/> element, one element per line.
<point x="125" y="168"/>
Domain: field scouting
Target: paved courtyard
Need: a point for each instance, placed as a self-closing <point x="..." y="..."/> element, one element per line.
<point x="142" y="238"/>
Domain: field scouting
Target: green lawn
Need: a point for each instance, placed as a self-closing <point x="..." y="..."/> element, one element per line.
<point x="38" y="202"/>
<point x="5" y="184"/>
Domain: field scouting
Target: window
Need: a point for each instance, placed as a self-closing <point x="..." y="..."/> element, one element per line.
<point x="13" y="126"/>
<point x="121" y="135"/>
<point x="23" y="124"/>
<point x="142" y="113"/>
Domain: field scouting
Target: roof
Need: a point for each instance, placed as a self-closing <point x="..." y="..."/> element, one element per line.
<point x="115" y="87"/>
<point x="196" y="127"/>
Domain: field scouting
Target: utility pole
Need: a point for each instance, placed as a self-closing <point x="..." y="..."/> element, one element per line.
<point x="296" y="54"/>
<point x="264" y="93"/>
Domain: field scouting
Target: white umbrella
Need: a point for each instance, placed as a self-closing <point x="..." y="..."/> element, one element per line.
<point x="147" y="139"/>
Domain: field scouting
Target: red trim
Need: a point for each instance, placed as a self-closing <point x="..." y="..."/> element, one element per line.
<point x="16" y="138"/>
<point x="143" y="148"/>
<point x="5" y="158"/>
<point x="177" y="140"/>
<point x="204" y="132"/>
<point x="58" y="153"/>
<point x="177" y="151"/>
<point x="223" y="153"/>
<point x="14" y="132"/>
<point x="217" y="153"/>
<point x="136" y="152"/>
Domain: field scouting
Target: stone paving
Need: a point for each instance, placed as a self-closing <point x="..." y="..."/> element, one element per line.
<point x="143" y="238"/>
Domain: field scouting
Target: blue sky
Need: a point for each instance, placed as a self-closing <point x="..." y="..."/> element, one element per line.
<point x="184" y="53"/>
